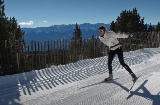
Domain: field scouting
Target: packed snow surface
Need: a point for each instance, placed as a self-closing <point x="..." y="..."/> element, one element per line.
<point x="81" y="83"/>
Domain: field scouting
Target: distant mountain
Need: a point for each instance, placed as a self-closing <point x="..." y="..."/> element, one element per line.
<point x="58" y="32"/>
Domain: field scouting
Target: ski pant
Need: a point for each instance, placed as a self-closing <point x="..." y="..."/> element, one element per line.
<point x="112" y="54"/>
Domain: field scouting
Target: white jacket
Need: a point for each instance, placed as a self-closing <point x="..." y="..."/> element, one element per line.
<point x="110" y="39"/>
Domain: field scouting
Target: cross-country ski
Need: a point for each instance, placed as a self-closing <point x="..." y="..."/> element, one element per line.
<point x="133" y="84"/>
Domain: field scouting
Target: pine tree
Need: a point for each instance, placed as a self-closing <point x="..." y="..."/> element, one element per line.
<point x="158" y="27"/>
<point x="151" y="28"/>
<point x="112" y="26"/>
<point x="143" y="27"/>
<point x="77" y="34"/>
<point x="3" y="21"/>
<point x="128" y="21"/>
<point x="2" y="14"/>
<point x="11" y="39"/>
<point x="76" y="42"/>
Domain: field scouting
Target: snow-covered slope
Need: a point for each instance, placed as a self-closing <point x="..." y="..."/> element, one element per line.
<point x="80" y="83"/>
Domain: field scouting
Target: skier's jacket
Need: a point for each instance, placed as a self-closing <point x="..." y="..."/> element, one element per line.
<point x="110" y="39"/>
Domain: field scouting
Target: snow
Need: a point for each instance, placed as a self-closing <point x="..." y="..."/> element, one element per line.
<point x="79" y="83"/>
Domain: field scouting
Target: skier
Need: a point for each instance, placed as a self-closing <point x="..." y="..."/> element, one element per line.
<point x="110" y="39"/>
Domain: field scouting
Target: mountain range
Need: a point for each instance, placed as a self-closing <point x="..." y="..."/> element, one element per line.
<point x="59" y="32"/>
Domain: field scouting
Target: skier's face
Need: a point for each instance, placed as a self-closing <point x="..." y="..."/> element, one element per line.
<point x="101" y="32"/>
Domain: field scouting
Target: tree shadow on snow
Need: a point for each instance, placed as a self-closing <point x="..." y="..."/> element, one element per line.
<point x="13" y="87"/>
<point x="9" y="91"/>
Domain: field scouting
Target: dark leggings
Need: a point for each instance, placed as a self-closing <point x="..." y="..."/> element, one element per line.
<point x="111" y="55"/>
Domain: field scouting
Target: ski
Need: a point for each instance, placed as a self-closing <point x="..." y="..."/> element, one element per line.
<point x="133" y="85"/>
<point x="99" y="83"/>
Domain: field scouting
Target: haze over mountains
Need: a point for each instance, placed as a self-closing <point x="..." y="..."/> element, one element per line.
<point x="58" y="32"/>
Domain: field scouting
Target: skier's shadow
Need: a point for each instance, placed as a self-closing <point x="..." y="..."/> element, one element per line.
<point x="146" y="94"/>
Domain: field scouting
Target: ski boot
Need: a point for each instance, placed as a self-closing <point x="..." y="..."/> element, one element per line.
<point x="134" y="78"/>
<point x="109" y="78"/>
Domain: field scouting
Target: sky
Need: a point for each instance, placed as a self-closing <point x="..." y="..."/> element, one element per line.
<point x="45" y="13"/>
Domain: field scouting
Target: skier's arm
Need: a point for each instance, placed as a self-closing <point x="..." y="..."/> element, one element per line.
<point x="119" y="35"/>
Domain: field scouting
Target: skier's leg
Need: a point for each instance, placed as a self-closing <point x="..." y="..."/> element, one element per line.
<point x="121" y="60"/>
<point x="110" y="59"/>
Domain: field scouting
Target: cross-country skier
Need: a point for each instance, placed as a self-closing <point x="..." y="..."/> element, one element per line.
<point x="110" y="39"/>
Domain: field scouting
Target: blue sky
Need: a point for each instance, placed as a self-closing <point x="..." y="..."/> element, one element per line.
<point x="43" y="13"/>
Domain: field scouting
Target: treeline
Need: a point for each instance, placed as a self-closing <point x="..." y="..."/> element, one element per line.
<point x="130" y="22"/>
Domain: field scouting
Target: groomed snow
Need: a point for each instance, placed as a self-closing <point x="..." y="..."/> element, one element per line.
<point x="79" y="83"/>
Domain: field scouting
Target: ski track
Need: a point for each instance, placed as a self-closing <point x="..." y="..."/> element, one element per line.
<point x="61" y="85"/>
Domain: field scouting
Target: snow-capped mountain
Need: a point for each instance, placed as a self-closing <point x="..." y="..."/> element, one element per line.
<point x="57" y="32"/>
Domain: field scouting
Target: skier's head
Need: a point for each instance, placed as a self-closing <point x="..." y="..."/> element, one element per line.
<point x="101" y="30"/>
